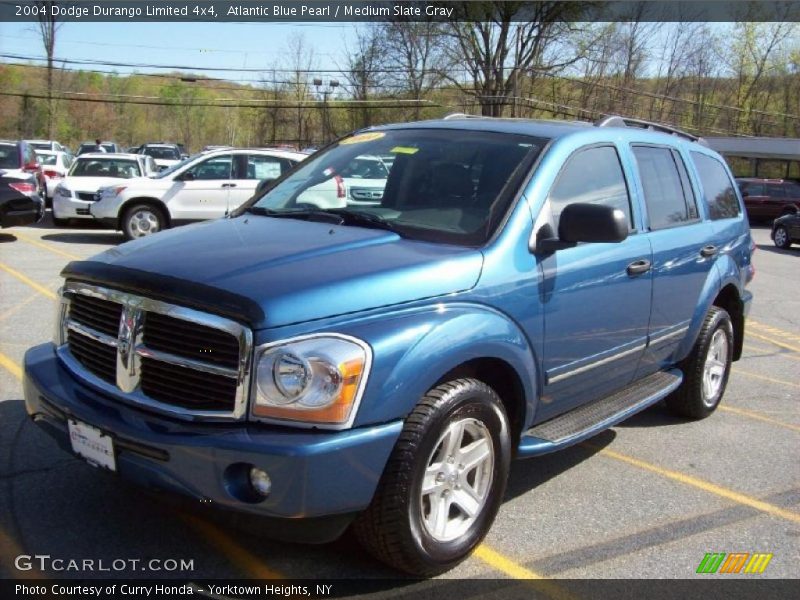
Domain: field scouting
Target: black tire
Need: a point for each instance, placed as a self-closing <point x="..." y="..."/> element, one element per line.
<point x="782" y="239"/>
<point x="132" y="230"/>
<point x="393" y="528"/>
<point x="691" y="399"/>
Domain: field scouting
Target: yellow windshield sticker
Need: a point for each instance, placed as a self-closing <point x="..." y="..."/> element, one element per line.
<point x="404" y="150"/>
<point x="364" y="137"/>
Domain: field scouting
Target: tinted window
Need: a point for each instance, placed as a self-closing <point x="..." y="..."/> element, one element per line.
<point x="718" y="190"/>
<point x="667" y="193"/>
<point x="47" y="159"/>
<point x="752" y="189"/>
<point x="592" y="176"/>
<point x="9" y="156"/>
<point x="218" y="167"/>
<point x="776" y="190"/>
<point x="793" y="190"/>
<point x="162" y="153"/>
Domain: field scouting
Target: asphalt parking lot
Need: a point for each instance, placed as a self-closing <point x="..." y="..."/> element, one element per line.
<point x="647" y="499"/>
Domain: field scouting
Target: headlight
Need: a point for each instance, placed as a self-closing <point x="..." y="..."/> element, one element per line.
<point x="316" y="380"/>
<point x="63" y="192"/>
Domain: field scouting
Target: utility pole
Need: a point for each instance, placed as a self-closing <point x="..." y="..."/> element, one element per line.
<point x="325" y="117"/>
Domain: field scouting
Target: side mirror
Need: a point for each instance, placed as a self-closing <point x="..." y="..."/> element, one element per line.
<point x="593" y="223"/>
<point x="263" y="185"/>
<point x="187" y="176"/>
<point x="745" y="193"/>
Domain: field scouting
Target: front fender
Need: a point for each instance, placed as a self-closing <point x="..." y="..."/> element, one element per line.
<point x="412" y="351"/>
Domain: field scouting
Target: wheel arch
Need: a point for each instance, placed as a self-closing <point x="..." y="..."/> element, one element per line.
<point x="729" y="299"/>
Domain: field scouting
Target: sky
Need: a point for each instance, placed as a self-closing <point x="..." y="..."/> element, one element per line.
<point x="224" y="45"/>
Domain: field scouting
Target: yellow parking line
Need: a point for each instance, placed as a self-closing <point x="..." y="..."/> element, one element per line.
<point x="706" y="486"/>
<point x="17" y="307"/>
<point x="772" y="341"/>
<point x="26" y="280"/>
<point x="739" y="371"/>
<point x="10" y="366"/>
<point x="756" y="348"/>
<point x="505" y="565"/>
<point x="47" y="247"/>
<point x="758" y="416"/>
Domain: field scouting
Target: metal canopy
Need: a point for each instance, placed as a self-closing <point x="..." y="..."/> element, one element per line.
<point x="757" y="147"/>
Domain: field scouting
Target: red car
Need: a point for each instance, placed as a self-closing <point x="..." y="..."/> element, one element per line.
<point x="768" y="199"/>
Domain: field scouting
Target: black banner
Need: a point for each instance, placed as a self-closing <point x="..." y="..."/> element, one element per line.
<point x="322" y="11"/>
<point x="706" y="587"/>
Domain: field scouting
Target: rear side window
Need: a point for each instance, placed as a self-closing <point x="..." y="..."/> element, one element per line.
<point x="717" y="187"/>
<point x="593" y="176"/>
<point x="667" y="191"/>
<point x="752" y="189"/>
<point x="776" y="190"/>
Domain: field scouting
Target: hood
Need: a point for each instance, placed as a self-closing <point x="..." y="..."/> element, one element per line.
<point x="91" y="184"/>
<point x="291" y="271"/>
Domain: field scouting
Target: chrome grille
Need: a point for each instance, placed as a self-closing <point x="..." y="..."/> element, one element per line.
<point x="88" y="196"/>
<point x="168" y="358"/>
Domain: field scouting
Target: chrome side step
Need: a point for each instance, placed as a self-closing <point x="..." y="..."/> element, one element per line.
<point x="590" y="419"/>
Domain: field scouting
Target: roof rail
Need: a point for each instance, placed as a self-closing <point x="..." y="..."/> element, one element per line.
<point x="462" y="116"/>
<point x="618" y="121"/>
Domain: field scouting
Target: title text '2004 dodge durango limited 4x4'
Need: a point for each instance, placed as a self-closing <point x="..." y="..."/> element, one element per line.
<point x="520" y="286"/>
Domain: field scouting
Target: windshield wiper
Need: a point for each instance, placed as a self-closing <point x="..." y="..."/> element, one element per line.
<point x="364" y="219"/>
<point x="307" y="214"/>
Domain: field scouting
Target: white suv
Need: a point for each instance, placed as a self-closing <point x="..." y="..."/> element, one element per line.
<point x="204" y="186"/>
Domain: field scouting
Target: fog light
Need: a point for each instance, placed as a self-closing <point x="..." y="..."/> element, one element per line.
<point x="260" y="481"/>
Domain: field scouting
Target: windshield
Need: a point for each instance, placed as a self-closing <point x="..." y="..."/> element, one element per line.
<point x="9" y="156"/>
<point x="105" y="167"/>
<point x="41" y="145"/>
<point x="162" y="152"/>
<point x="170" y="170"/>
<point x="437" y="184"/>
<point x="46" y="159"/>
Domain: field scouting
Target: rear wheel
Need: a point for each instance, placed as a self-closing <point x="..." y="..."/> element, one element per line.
<point x="781" y="237"/>
<point x="706" y="369"/>
<point x="142" y="220"/>
<point x="443" y="484"/>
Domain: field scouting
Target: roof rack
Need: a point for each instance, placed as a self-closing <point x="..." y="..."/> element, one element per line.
<point x="462" y="116"/>
<point x="618" y="121"/>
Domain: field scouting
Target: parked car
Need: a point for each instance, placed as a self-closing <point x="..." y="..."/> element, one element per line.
<point x="768" y="199"/>
<point x="360" y="183"/>
<point x="205" y="186"/>
<point x="18" y="159"/>
<point x="78" y="190"/>
<point x="165" y="155"/>
<point x="50" y="145"/>
<point x="55" y="164"/>
<point x="786" y="230"/>
<point x="20" y="204"/>
<point x="133" y="149"/>
<point x="111" y="147"/>
<point x="523" y="285"/>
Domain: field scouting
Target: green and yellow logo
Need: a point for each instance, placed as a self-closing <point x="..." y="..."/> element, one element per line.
<point x="735" y="562"/>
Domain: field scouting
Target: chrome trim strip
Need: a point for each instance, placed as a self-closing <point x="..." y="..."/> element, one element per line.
<point x="299" y="422"/>
<point x="97" y="336"/>
<point x="131" y="349"/>
<point x="667" y="336"/>
<point x="594" y="365"/>
<point x="189" y="363"/>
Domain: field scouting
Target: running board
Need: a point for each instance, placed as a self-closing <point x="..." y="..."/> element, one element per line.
<point x="590" y="419"/>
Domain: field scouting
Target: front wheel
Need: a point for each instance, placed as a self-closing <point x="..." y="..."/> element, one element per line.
<point x="781" y="237"/>
<point x="443" y="483"/>
<point x="706" y="369"/>
<point x="141" y="220"/>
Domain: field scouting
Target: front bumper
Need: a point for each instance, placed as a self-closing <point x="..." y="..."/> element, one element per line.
<point x="71" y="208"/>
<point x="314" y="474"/>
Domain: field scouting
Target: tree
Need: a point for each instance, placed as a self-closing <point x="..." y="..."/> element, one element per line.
<point x="365" y="71"/>
<point x="500" y="43"/>
<point x="47" y="29"/>
<point x="415" y="57"/>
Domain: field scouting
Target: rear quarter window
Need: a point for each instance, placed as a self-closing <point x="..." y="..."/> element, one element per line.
<point x="718" y="191"/>
<point x="667" y="192"/>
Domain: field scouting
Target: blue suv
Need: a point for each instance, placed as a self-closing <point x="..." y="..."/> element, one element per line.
<point x="515" y="287"/>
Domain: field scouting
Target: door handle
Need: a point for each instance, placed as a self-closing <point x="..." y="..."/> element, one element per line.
<point x="228" y="185"/>
<point x="708" y="251"/>
<point x="638" y="267"/>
